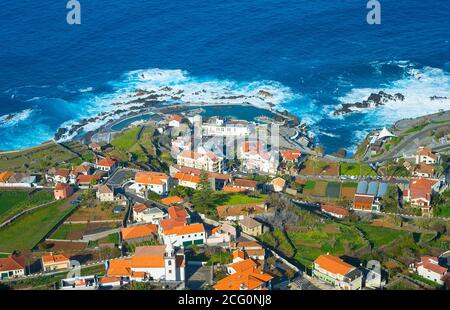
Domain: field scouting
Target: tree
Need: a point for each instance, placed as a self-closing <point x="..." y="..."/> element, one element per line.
<point x="203" y="197"/>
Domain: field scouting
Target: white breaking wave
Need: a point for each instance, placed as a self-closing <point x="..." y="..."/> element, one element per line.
<point x="426" y="91"/>
<point x="175" y="87"/>
<point x="9" y="120"/>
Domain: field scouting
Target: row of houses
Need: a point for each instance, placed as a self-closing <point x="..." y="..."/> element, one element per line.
<point x="16" y="179"/>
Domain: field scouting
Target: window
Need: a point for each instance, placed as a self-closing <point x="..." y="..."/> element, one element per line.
<point x="170" y="263"/>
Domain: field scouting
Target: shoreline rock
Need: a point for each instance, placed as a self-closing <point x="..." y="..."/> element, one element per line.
<point x="374" y="100"/>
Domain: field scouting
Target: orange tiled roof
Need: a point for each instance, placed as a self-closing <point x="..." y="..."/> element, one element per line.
<point x="238" y="254"/>
<point x="11" y="263"/>
<point x="171" y="200"/>
<point x="176" y="117"/>
<point x="187" y="177"/>
<point x="54" y="258"/>
<point x="244" y="265"/>
<point x="278" y="182"/>
<point x="5" y="175"/>
<point x="335" y="210"/>
<point x="245" y="183"/>
<point x="139" y="231"/>
<point x="333" y="264"/>
<point x="234" y="189"/>
<point x="196" y="155"/>
<point x="290" y="155"/>
<point x="119" y="267"/>
<point x="139" y="207"/>
<point x="249" y="280"/>
<point x="186" y="230"/>
<point x="198" y="172"/>
<point x="147" y="178"/>
<point x="168" y="224"/>
<point x="61" y="186"/>
<point x="106" y="280"/>
<point x="107" y="162"/>
<point x="175" y="213"/>
<point x="87" y="178"/>
<point x="421" y="188"/>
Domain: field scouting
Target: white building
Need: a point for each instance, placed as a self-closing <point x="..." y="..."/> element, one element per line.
<point x="217" y="128"/>
<point x="106" y="164"/>
<point x="105" y="193"/>
<point x="150" y="263"/>
<point x="144" y="214"/>
<point x="255" y="159"/>
<point x="154" y="181"/>
<point x="185" y="235"/>
<point x="204" y="161"/>
<point x="429" y="268"/>
<point x="426" y="155"/>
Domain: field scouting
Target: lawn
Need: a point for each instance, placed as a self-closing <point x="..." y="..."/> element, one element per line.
<point x="127" y="139"/>
<point x="28" y="230"/>
<point x="309" y="184"/>
<point x="69" y="232"/>
<point x="112" y="238"/>
<point x="225" y="199"/>
<point x="15" y="201"/>
<point x="379" y="236"/>
<point x="356" y="170"/>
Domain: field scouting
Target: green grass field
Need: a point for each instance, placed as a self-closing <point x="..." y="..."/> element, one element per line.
<point x="309" y="185"/>
<point x="15" y="201"/>
<point x="28" y="230"/>
<point x="379" y="236"/>
<point x="127" y="139"/>
<point x="225" y="199"/>
<point x="356" y="170"/>
<point x="65" y="230"/>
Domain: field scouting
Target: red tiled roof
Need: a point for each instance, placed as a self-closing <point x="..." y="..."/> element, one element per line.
<point x="245" y="183"/>
<point x="421" y="188"/>
<point x="335" y="210"/>
<point x="290" y="155"/>
<point x="107" y="162"/>
<point x="11" y="263"/>
<point x="333" y="264"/>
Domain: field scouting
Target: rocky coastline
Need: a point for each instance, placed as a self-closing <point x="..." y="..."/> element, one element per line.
<point x="373" y="101"/>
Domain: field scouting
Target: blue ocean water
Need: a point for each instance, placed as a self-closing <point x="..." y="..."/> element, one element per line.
<point x="314" y="55"/>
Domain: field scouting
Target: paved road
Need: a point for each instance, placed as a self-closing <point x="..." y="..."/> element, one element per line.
<point x="396" y="150"/>
<point x="198" y="276"/>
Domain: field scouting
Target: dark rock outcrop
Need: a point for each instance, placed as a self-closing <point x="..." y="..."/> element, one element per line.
<point x="374" y="100"/>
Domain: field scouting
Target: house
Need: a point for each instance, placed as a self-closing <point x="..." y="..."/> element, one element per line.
<point x="144" y="214"/>
<point x="237" y="212"/>
<point x="12" y="179"/>
<point x="217" y="180"/>
<point x="278" y="184"/>
<point x="245" y="184"/>
<point x="88" y="180"/>
<point x="290" y="156"/>
<point x="219" y="236"/>
<point x="57" y="175"/>
<point x="426" y="155"/>
<point x="156" y="182"/>
<point x="175" y="120"/>
<point x="95" y="147"/>
<point x="84" y="169"/>
<point x="4" y="177"/>
<point x="79" y="283"/>
<point x="139" y="233"/>
<point x="252" y="249"/>
<point x="364" y="202"/>
<point x="251" y="279"/>
<point x="372" y="275"/>
<point x="173" y="200"/>
<point x="187" y="180"/>
<point x="207" y="161"/>
<point x="255" y="159"/>
<point x="106" y="164"/>
<point x="62" y="191"/>
<point x="184" y="235"/>
<point x="251" y="227"/>
<point x="244" y="274"/>
<point x="239" y="264"/>
<point x="12" y="267"/>
<point x="53" y="262"/>
<point x="420" y="193"/>
<point x="105" y="193"/>
<point x="429" y="268"/>
<point x="334" y="211"/>
<point x="150" y="263"/>
<point x="369" y="195"/>
<point x="423" y="170"/>
<point x="216" y="127"/>
<point x="336" y="272"/>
